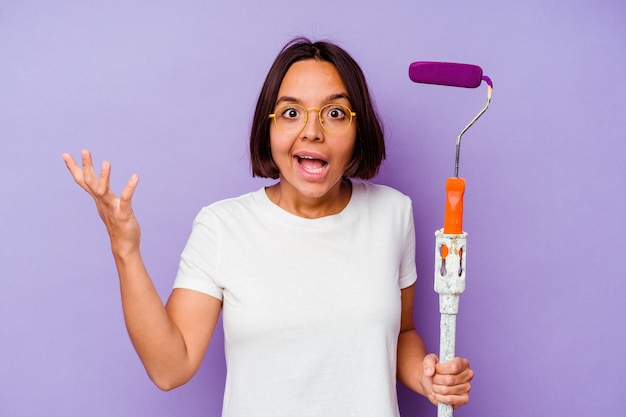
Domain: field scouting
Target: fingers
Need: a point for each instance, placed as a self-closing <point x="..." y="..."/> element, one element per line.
<point x="116" y="213"/>
<point x="128" y="192"/>
<point x="100" y="188"/>
<point x="97" y="186"/>
<point x="453" y="373"/>
<point x="86" y="176"/>
<point x="454" y="396"/>
<point x="453" y="367"/>
<point x="89" y="175"/>
<point x="75" y="170"/>
<point x="103" y="185"/>
<point x="430" y="363"/>
<point x="451" y="383"/>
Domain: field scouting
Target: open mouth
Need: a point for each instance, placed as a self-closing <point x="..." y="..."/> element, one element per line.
<point x="312" y="165"/>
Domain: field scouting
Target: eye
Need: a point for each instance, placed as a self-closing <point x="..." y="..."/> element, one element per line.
<point x="335" y="112"/>
<point x="290" y="113"/>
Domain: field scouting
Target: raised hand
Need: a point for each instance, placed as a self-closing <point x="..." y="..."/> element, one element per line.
<point x="116" y="213"/>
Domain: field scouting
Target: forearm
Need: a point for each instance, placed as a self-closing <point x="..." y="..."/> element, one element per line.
<point x="411" y="352"/>
<point x="157" y="340"/>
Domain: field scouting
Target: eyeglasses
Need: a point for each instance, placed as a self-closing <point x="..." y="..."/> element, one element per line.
<point x="334" y="118"/>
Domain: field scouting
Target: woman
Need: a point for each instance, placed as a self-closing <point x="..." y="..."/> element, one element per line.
<point x="314" y="275"/>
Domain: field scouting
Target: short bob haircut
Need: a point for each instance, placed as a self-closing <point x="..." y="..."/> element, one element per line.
<point x="369" y="148"/>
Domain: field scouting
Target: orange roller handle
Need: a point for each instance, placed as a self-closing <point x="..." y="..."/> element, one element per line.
<point x="453" y="220"/>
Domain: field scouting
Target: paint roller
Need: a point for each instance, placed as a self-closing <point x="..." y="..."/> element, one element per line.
<point x="455" y="75"/>
<point x="450" y="247"/>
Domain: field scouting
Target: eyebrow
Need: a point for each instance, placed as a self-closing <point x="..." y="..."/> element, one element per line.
<point x="329" y="99"/>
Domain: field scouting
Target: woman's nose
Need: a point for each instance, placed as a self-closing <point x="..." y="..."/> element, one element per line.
<point x="313" y="129"/>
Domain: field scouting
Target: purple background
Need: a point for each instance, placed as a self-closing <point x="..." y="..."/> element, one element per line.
<point x="167" y="89"/>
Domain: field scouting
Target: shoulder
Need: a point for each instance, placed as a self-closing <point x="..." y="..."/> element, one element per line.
<point x="236" y="207"/>
<point x="379" y="194"/>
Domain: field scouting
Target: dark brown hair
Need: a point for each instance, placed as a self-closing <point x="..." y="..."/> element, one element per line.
<point x="369" y="148"/>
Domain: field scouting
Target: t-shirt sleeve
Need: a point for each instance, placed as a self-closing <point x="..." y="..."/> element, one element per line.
<point x="408" y="270"/>
<point x="198" y="262"/>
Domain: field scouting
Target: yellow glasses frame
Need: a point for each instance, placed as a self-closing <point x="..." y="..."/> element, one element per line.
<point x="319" y="110"/>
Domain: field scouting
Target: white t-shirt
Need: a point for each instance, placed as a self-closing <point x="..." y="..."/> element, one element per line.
<point x="311" y="307"/>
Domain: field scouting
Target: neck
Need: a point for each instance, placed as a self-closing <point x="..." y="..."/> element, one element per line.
<point x="300" y="205"/>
